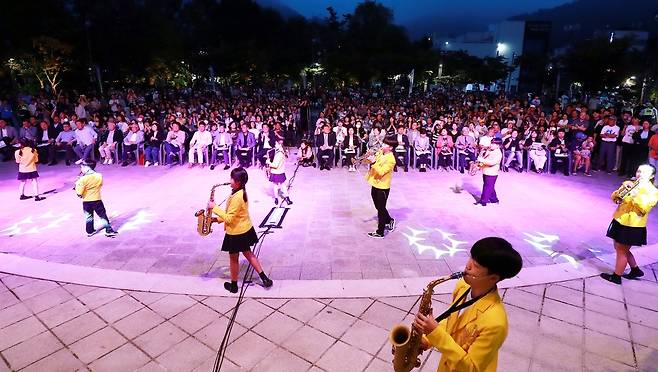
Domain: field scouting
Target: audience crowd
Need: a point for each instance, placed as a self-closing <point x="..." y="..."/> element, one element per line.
<point x="442" y="129"/>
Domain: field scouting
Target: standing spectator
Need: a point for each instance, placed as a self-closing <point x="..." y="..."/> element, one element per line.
<point x="607" y="153"/>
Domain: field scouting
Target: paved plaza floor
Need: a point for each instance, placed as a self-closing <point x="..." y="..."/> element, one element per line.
<point x="151" y="298"/>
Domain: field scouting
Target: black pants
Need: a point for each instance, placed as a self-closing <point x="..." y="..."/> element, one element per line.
<point x="91" y="207"/>
<point x="326" y="162"/>
<point x="244" y="157"/>
<point x="560" y="162"/>
<point x="379" y="197"/>
<point x="488" y="190"/>
<point x="401" y="158"/>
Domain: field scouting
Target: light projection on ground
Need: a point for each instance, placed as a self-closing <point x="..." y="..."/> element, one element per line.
<point x="36" y="224"/>
<point x="448" y="247"/>
<point x="135" y="222"/>
<point x="545" y="242"/>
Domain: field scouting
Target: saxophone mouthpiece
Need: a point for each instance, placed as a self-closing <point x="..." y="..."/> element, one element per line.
<point x="457" y="275"/>
<point x="224" y="184"/>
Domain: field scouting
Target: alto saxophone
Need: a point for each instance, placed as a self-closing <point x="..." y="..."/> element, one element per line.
<point x="204" y="216"/>
<point x="625" y="189"/>
<point x="358" y="160"/>
<point x="407" y="341"/>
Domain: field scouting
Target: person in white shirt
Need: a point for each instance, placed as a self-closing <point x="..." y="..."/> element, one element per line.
<point x="133" y="139"/>
<point x="221" y="144"/>
<point x="109" y="142"/>
<point x="174" y="143"/>
<point x="85" y="139"/>
<point x="199" y="144"/>
<point x="489" y="161"/>
<point x="608" y="150"/>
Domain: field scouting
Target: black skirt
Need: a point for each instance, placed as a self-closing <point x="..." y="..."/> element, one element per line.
<point x="22" y="176"/>
<point x="241" y="242"/>
<point x="627" y="235"/>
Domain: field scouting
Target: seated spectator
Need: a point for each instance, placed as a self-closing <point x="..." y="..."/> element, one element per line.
<point x="375" y="139"/>
<point x="221" y="144"/>
<point x="109" y="141"/>
<point x="264" y="144"/>
<point x="174" y="143"/>
<point x="325" y="143"/>
<point x="85" y="140"/>
<point x="401" y="151"/>
<point x="305" y="156"/>
<point x="465" y="149"/>
<point x="8" y="136"/>
<point x="28" y="131"/>
<point x="513" y="151"/>
<point x="245" y="145"/>
<point x="131" y="142"/>
<point x="64" y="142"/>
<point x="350" y="146"/>
<point x="201" y="139"/>
<point x="582" y="155"/>
<point x="536" y="151"/>
<point x="422" y="150"/>
<point x="444" y="150"/>
<point x="559" y="153"/>
<point x="152" y="142"/>
<point x="46" y="143"/>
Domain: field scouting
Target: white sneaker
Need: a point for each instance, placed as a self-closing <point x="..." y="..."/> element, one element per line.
<point x="147" y="164"/>
<point x="78" y="162"/>
<point x="155" y="164"/>
<point x="111" y="161"/>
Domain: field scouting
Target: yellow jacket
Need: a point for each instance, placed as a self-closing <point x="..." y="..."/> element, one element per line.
<point x="634" y="211"/>
<point x="236" y="216"/>
<point x="381" y="171"/>
<point x="28" y="161"/>
<point x="470" y="341"/>
<point x="88" y="187"/>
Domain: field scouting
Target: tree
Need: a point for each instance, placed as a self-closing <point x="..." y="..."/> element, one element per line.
<point x="47" y="61"/>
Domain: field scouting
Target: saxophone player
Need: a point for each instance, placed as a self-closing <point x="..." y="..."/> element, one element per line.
<point x="489" y="162"/>
<point x="471" y="331"/>
<point x="240" y="233"/>
<point x="379" y="177"/>
<point x="629" y="224"/>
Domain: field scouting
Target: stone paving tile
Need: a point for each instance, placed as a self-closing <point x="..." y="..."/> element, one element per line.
<point x="277" y="327"/>
<point x="138" y="322"/>
<point x="13" y="313"/>
<point x="34" y="288"/>
<point x="160" y="339"/>
<point x="546" y="350"/>
<point x="645" y="336"/>
<point x="99" y="297"/>
<point x="279" y="358"/>
<point x="60" y="361"/>
<point x="566" y="295"/>
<point x="609" y="347"/>
<point x="171" y="305"/>
<point x="98" y="344"/>
<point x="352" y="306"/>
<point x="647" y="358"/>
<point x="32" y="350"/>
<point x="607" y="325"/>
<point x="118" y="309"/>
<point x="298" y="343"/>
<point x="125" y="358"/>
<point x="383" y="315"/>
<point x="8" y="299"/>
<point x="642" y="316"/>
<point x="195" y="318"/>
<point x="343" y="357"/>
<point x="185" y="356"/>
<point x="78" y="328"/>
<point x="559" y="310"/>
<point x="366" y="336"/>
<point x="332" y="322"/>
<point x="62" y="313"/>
<point x="259" y="349"/>
<point x="20" y="331"/>
<point x="302" y="309"/>
<point x="525" y="300"/>
<point x="605" y="306"/>
<point x="596" y="363"/>
<point x="212" y="334"/>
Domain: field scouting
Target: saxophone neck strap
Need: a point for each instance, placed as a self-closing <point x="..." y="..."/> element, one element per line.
<point x="457" y="305"/>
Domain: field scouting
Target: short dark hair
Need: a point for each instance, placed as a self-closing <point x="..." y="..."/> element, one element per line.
<point x="90" y="163"/>
<point x="498" y="256"/>
<point x="391" y="141"/>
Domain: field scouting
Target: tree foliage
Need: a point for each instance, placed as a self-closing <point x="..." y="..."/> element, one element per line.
<point x="46" y="62"/>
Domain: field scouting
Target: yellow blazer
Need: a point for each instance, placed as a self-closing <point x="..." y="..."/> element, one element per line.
<point x="88" y="187"/>
<point x="381" y="171"/>
<point x="634" y="211"/>
<point x="470" y="341"/>
<point x="236" y="216"/>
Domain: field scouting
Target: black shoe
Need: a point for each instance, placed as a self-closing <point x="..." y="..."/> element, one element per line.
<point x="212" y="166"/>
<point x="124" y="164"/>
<point x="613" y="278"/>
<point x="375" y="235"/>
<point x="227" y="167"/>
<point x="391" y="225"/>
<point x="423" y="170"/>
<point x="89" y="235"/>
<point x="267" y="282"/>
<point x="480" y="203"/>
<point x="287" y="199"/>
<point x="313" y="165"/>
<point x="276" y="201"/>
<point x="231" y="287"/>
<point x="24" y="197"/>
<point x="406" y="169"/>
<point x="110" y="233"/>
<point x="395" y="169"/>
<point x="39" y="198"/>
<point x="634" y="273"/>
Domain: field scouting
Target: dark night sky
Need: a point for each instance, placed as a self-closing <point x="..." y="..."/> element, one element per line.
<point x="408" y="10"/>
